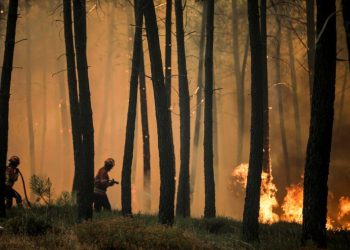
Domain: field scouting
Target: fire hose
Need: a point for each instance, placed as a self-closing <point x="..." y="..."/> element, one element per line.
<point x="25" y="190"/>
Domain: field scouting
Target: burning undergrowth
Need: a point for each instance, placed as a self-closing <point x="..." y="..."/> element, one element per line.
<point x="292" y="205"/>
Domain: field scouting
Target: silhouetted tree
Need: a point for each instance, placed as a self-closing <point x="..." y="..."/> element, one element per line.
<point x="252" y="199"/>
<point x="321" y="125"/>
<point x="85" y="183"/>
<point x="346" y="19"/>
<point x="130" y="126"/>
<point x="310" y="30"/>
<point x="209" y="208"/>
<point x="165" y="137"/>
<point x="183" y="193"/>
<point x="168" y="46"/>
<point x="5" y="87"/>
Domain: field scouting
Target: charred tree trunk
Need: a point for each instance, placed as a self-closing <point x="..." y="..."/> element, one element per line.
<point x="29" y="102"/>
<point x="168" y="45"/>
<point x="252" y="199"/>
<point x="321" y="125"/>
<point x="310" y="28"/>
<point x="239" y="83"/>
<point x="280" y="87"/>
<point x="293" y="77"/>
<point x="73" y="93"/>
<point x="145" y="136"/>
<point x="199" y="106"/>
<point x="209" y="208"/>
<point x="5" y="87"/>
<point x="165" y="136"/>
<point x="183" y="193"/>
<point x="130" y="126"/>
<point x="85" y="187"/>
<point x="267" y="158"/>
<point x="346" y="18"/>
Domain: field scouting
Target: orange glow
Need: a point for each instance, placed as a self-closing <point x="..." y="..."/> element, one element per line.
<point x="293" y="204"/>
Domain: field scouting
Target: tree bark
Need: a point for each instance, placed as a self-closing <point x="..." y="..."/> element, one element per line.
<point x="85" y="187"/>
<point x="321" y="125"/>
<point x="183" y="193"/>
<point x="293" y="77"/>
<point x="267" y="157"/>
<point x="199" y="106"/>
<point x="252" y="199"/>
<point x="209" y="208"/>
<point x="29" y="102"/>
<point x="130" y="126"/>
<point x="5" y="87"/>
<point x="280" y="87"/>
<point x="165" y="136"/>
<point x="239" y="83"/>
<point x="346" y="19"/>
<point x="310" y="30"/>
<point x="145" y="136"/>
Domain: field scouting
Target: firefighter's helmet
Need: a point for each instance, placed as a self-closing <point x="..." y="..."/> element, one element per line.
<point x="14" y="160"/>
<point x="109" y="162"/>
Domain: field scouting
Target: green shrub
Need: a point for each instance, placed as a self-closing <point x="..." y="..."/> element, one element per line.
<point x="29" y="224"/>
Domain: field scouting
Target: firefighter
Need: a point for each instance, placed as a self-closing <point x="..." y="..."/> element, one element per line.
<point x="11" y="176"/>
<point x="102" y="182"/>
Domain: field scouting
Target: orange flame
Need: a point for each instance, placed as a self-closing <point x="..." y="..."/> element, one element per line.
<point x="292" y="206"/>
<point x="344" y="212"/>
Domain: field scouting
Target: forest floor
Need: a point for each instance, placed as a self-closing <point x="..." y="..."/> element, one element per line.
<point x="55" y="228"/>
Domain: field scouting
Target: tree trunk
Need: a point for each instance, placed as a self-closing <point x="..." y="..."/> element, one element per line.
<point x="346" y="19"/>
<point x="280" y="87"/>
<point x="199" y="106"/>
<point x="252" y="199"/>
<point x="145" y="136"/>
<point x="86" y="186"/>
<point x="73" y="93"/>
<point x="168" y="45"/>
<point x="266" y="148"/>
<point x="321" y="125"/>
<point x="130" y="126"/>
<point x="293" y="77"/>
<point x="183" y="193"/>
<point x="29" y="102"/>
<point x="5" y="87"/>
<point x="165" y="136"/>
<point x="310" y="29"/>
<point x="209" y="209"/>
<point x="239" y="83"/>
<point x="107" y="83"/>
<point x="342" y="97"/>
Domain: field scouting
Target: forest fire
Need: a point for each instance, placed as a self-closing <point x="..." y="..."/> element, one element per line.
<point x="292" y="206"/>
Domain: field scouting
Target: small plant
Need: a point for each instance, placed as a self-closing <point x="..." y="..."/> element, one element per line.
<point x="41" y="187"/>
<point x="65" y="199"/>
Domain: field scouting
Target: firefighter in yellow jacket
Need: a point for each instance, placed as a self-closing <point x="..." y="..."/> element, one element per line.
<point x="11" y="177"/>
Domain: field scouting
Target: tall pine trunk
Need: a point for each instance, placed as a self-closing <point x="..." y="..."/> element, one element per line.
<point x="321" y="125"/>
<point x="280" y="98"/>
<point x="5" y="87"/>
<point x="239" y="83"/>
<point x="168" y="45"/>
<point x="145" y="136"/>
<point x="209" y="208"/>
<point x="73" y="92"/>
<point x="165" y="136"/>
<point x="310" y="30"/>
<point x="86" y="184"/>
<point x="130" y="126"/>
<point x="199" y="106"/>
<point x="267" y="157"/>
<point x="295" y="98"/>
<point x="346" y="19"/>
<point x="183" y="193"/>
<point x="252" y="199"/>
<point x="29" y="103"/>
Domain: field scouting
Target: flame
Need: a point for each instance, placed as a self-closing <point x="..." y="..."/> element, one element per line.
<point x="268" y="201"/>
<point x="292" y="206"/>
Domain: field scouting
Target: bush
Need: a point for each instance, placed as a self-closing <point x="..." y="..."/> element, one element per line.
<point x="29" y="224"/>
